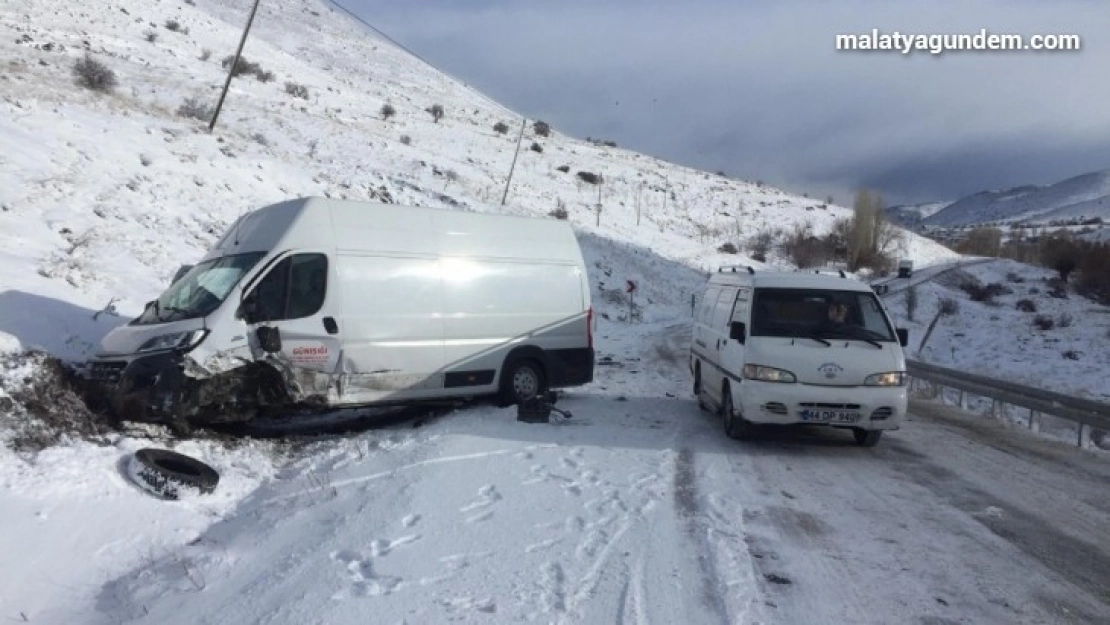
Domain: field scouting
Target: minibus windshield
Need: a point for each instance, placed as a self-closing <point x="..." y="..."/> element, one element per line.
<point x="819" y="314"/>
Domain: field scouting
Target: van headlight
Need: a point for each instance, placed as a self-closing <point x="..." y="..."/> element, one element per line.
<point x="176" y="340"/>
<point x="891" y="378"/>
<point x="768" y="374"/>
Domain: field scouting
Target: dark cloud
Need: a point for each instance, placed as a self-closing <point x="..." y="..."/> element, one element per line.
<point x="757" y="90"/>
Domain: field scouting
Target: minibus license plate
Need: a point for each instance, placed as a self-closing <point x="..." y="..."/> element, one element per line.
<point x="830" y="416"/>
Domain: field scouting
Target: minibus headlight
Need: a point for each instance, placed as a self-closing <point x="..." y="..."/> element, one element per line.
<point x="768" y="374"/>
<point x="175" y="340"/>
<point x="891" y="378"/>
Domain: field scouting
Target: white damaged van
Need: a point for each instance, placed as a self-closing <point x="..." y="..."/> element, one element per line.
<point x="340" y="303"/>
<point x="797" y="348"/>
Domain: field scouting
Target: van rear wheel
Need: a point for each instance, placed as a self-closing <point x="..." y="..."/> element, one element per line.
<point x="522" y="380"/>
<point x="736" y="426"/>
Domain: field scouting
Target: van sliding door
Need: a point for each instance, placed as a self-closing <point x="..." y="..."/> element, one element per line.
<point x="393" y="315"/>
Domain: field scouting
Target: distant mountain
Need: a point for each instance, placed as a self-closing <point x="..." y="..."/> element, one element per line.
<point x="1085" y="196"/>
<point x="910" y="215"/>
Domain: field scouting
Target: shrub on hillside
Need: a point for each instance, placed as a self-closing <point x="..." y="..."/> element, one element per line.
<point x="761" y="242"/>
<point x="563" y="168"/>
<point x="296" y="90"/>
<point x="1058" y="288"/>
<point x="948" y="306"/>
<point x="985" y="293"/>
<point x="1044" y="322"/>
<point x="387" y="111"/>
<point x="1026" y="305"/>
<point x="243" y="66"/>
<point x="265" y="76"/>
<point x="589" y="177"/>
<point x="537" y="148"/>
<point x="436" y="111"/>
<point x="406" y="140"/>
<point x="194" y="109"/>
<point x="559" y="213"/>
<point x="501" y="128"/>
<point x="541" y="128"/>
<point x="174" y="25"/>
<point x="728" y="248"/>
<point x="802" y="247"/>
<point x="92" y="74"/>
<point x="1064" y="320"/>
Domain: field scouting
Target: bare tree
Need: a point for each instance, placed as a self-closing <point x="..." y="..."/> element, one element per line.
<point x="873" y="241"/>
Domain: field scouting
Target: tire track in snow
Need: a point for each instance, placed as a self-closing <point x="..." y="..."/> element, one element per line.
<point x="394" y="471"/>
<point x="686" y="506"/>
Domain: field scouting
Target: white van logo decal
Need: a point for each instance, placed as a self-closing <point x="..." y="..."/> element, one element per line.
<point x="830" y="369"/>
<point x="308" y="356"/>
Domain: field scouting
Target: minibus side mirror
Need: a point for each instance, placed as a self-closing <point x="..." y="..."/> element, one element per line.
<point x="737" y="331"/>
<point x="903" y="336"/>
<point x="269" y="339"/>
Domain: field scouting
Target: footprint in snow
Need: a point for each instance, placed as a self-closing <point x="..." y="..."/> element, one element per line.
<point x="487" y="496"/>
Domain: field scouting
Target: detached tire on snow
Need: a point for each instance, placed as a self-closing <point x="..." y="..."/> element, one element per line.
<point x="166" y="473"/>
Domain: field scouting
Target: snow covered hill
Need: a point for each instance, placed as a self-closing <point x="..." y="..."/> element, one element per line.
<point x="1085" y="196"/>
<point x="911" y="215"/>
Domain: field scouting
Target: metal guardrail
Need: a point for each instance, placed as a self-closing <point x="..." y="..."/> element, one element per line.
<point x="1087" y="413"/>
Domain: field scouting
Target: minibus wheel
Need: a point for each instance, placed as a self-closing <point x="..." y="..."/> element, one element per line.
<point x="736" y="426"/>
<point x="866" y="438"/>
<point x="697" y="386"/>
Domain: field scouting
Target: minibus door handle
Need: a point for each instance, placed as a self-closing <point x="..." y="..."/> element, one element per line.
<point x="330" y="325"/>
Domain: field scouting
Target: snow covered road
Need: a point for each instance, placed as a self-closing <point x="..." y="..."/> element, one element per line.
<point x="640" y="510"/>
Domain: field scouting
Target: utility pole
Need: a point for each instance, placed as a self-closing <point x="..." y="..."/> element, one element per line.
<point x="599" y="183"/>
<point x="234" y="64"/>
<point x="523" y="123"/>
<point x="639" y="192"/>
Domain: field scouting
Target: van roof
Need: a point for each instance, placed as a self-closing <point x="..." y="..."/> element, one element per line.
<point x="787" y="280"/>
<point x="359" y="226"/>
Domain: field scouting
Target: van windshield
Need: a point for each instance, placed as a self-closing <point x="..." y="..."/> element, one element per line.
<point x="820" y="314"/>
<point x="201" y="290"/>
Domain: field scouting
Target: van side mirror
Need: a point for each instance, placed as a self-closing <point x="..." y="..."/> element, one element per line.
<point x="737" y="330"/>
<point x="903" y="336"/>
<point x="269" y="339"/>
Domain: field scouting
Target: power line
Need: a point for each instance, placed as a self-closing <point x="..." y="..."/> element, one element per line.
<point x="422" y="59"/>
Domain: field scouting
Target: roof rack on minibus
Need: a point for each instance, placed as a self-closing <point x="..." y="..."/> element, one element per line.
<point x="732" y="268"/>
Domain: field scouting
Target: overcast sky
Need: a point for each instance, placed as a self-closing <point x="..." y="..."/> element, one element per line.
<point x="757" y="89"/>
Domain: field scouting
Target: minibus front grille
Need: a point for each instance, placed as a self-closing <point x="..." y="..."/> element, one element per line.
<point x="775" y="407"/>
<point x="811" y="404"/>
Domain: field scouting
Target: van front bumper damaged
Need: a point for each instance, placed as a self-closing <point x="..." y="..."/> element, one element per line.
<point x="867" y="407"/>
<point x="143" y="388"/>
<point x="168" y="387"/>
